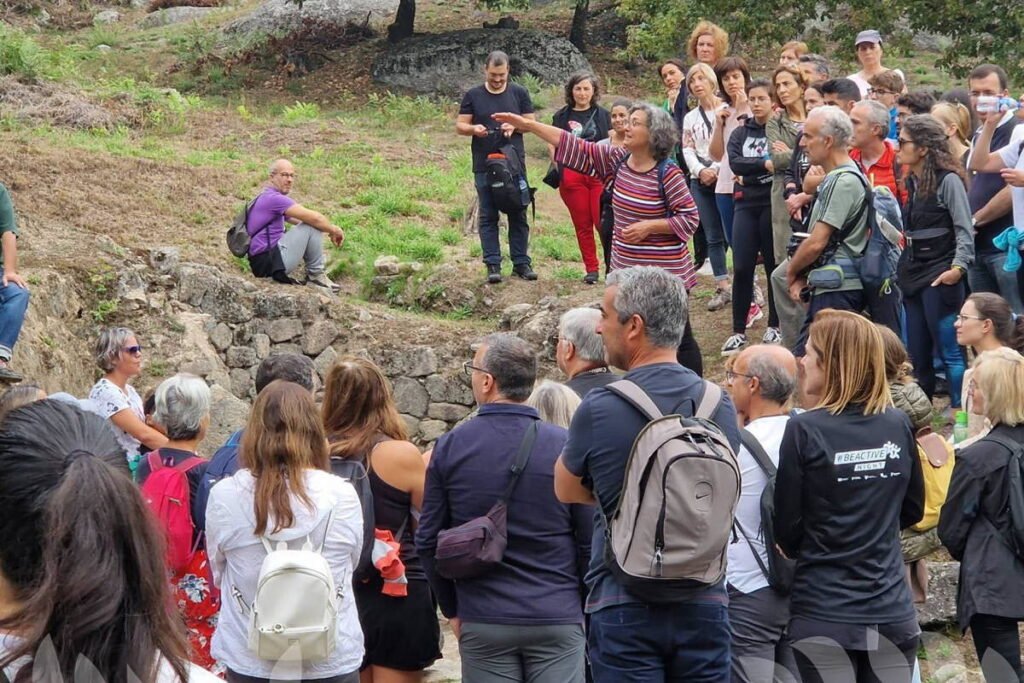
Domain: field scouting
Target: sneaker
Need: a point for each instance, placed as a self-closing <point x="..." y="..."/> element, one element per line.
<point x="8" y="375"/>
<point x="524" y="272"/>
<point x="772" y="335"/>
<point x="758" y="296"/>
<point x="721" y="299"/>
<point x="734" y="344"/>
<point x="493" y="274"/>
<point x="590" y="278"/>
<point x="321" y="280"/>
<point x="754" y="314"/>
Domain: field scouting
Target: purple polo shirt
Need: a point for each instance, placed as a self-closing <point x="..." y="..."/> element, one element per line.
<point x="267" y="212"/>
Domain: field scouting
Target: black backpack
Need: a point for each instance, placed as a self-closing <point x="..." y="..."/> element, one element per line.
<point x="780" y="570"/>
<point x="238" y="237"/>
<point x="506" y="179"/>
<point x="354" y="470"/>
<point x="607" y="216"/>
<point x="1015" y="479"/>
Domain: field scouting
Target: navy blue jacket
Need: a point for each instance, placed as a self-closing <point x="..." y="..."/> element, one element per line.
<point x="539" y="581"/>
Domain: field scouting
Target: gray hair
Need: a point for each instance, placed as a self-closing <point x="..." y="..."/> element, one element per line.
<point x="777" y="384"/>
<point x="579" y="326"/>
<point x="555" y="402"/>
<point x="181" y="403"/>
<point x="877" y="115"/>
<point x="274" y="165"/>
<point x="820" y="63"/>
<point x="664" y="136"/>
<point x="109" y="346"/>
<point x="496" y="58"/>
<point x="655" y="295"/>
<point x="836" y="124"/>
<point x="512" y="364"/>
<point x="290" y="367"/>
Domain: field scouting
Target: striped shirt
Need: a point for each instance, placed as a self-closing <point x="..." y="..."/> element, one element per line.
<point x="637" y="197"/>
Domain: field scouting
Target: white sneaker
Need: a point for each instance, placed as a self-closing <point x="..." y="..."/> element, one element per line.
<point x="758" y="295"/>
<point x="772" y="335"/>
<point x="754" y="313"/>
<point x="734" y="344"/>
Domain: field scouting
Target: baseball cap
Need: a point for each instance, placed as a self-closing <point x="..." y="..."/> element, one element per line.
<point x="871" y="36"/>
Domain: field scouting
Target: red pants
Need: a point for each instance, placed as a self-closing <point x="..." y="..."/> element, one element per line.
<point x="582" y="196"/>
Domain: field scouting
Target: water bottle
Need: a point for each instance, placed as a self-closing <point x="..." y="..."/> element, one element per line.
<point x="991" y="104"/>
<point x="960" y="427"/>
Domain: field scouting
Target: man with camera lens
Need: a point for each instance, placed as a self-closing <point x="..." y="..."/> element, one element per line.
<point x="821" y="271"/>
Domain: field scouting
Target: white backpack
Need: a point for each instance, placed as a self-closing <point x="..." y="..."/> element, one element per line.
<point x="294" y="614"/>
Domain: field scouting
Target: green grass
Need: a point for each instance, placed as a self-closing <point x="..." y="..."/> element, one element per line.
<point x="300" y="112"/>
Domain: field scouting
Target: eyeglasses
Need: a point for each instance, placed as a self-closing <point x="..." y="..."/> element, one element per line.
<point x="730" y="376"/>
<point x="903" y="141"/>
<point x="880" y="91"/>
<point x="286" y="175"/>
<point x="960" y="317"/>
<point x="134" y="350"/>
<point x="632" y="123"/>
<point x="468" y="368"/>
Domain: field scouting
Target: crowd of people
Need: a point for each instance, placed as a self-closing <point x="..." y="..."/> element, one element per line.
<point x="634" y="522"/>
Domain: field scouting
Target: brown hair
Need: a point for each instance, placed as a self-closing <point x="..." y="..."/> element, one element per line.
<point x="677" y="63"/>
<point x="897" y="362"/>
<point x="927" y="133"/>
<point x="357" y="407"/>
<point x="1007" y="327"/>
<point x="889" y="80"/>
<point x="283" y="437"/>
<point x="851" y="356"/>
<point x="707" y="28"/>
<point x="797" y="76"/>
<point x="576" y="79"/>
<point x="18" y="396"/>
<point x="799" y="48"/>
<point x="724" y="66"/>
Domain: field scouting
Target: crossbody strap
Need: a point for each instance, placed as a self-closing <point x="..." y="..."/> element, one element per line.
<point x="757" y="450"/>
<point x="522" y="458"/>
<point x="753" y="551"/>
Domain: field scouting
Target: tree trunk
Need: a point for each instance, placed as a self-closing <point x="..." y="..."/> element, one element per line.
<point x="577" y="34"/>
<point x="404" y="20"/>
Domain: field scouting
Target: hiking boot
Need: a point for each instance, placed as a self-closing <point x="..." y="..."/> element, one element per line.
<point x="734" y="344"/>
<point x="721" y="299"/>
<point x="772" y="335"/>
<point x="590" y="278"/>
<point x="525" y="272"/>
<point x="321" y="280"/>
<point x="8" y="375"/>
<point x="493" y="274"/>
<point x="758" y="296"/>
<point x="753" y="315"/>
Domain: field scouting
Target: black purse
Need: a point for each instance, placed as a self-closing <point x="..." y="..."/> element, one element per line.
<point x="553" y="176"/>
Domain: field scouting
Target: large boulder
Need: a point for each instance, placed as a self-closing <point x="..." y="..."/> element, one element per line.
<point x="279" y="16"/>
<point x="450" y="63"/>
<point x="175" y="15"/>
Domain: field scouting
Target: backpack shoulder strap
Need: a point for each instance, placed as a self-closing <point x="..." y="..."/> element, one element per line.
<point x="662" y="171"/>
<point x="235" y="439"/>
<point x="1008" y="444"/>
<point x="636" y="397"/>
<point x="710" y="399"/>
<point x="522" y="458"/>
<point x="155" y="461"/>
<point x="757" y="450"/>
<point x="187" y="466"/>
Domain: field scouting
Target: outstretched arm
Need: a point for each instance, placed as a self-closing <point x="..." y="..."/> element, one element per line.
<point x="528" y="124"/>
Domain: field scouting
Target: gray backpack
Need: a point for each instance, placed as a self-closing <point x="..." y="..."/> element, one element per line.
<point x="670" y="532"/>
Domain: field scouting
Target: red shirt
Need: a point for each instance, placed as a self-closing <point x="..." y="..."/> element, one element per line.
<point x="882" y="172"/>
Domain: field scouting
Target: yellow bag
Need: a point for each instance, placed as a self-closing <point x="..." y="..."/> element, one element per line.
<point x="937" y="465"/>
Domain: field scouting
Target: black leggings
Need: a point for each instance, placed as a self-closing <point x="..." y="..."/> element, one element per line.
<point x="823" y="663"/>
<point x="998" y="636"/>
<point x="751" y="234"/>
<point x="688" y="353"/>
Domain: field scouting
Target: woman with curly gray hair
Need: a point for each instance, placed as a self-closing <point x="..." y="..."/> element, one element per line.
<point x="119" y="354"/>
<point x="655" y="216"/>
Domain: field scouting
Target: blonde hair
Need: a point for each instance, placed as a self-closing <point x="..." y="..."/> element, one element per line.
<point x="851" y="356"/>
<point x="799" y="48"/>
<point x="555" y="402"/>
<point x="954" y="114"/>
<point x="897" y="362"/>
<point x="707" y="28"/>
<point x="706" y="71"/>
<point x="999" y="375"/>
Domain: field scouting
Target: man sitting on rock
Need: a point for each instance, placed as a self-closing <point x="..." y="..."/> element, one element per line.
<point x="13" y="290"/>
<point x="276" y="253"/>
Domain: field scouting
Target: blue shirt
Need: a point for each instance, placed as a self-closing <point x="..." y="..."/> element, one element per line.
<point x="894" y="130"/>
<point x="600" y="438"/>
<point x="539" y="579"/>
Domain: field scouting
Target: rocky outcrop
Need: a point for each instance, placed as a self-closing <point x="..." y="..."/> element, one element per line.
<point x="449" y="63"/>
<point x="175" y="15"/>
<point x="280" y="16"/>
<point x="940" y="608"/>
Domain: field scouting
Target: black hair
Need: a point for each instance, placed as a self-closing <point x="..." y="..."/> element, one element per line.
<point x="843" y="88"/>
<point x="290" y="367"/>
<point x="575" y="80"/>
<point x="918" y="101"/>
<point x="986" y="70"/>
<point x="81" y="550"/>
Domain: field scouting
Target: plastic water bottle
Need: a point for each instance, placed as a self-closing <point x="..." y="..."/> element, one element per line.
<point x="960" y="427"/>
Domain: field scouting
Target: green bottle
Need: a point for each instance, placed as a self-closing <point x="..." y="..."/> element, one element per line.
<point x="960" y="427"/>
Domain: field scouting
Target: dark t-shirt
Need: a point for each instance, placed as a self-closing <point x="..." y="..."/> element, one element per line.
<point x="985" y="186"/>
<point x="847" y="484"/>
<point x="173" y="457"/>
<point x="600" y="438"/>
<point x="480" y="103"/>
<point x="590" y="124"/>
<point x="585" y="381"/>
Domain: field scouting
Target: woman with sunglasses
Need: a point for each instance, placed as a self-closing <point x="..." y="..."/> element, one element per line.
<point x="119" y="355"/>
<point x="937" y="219"/>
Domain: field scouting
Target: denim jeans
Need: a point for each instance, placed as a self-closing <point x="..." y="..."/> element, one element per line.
<point x="518" y="228"/>
<point x="13" y="304"/>
<point x="649" y="643"/>
<point x="986" y="274"/>
<point x="930" y="316"/>
<point x="707" y="207"/>
<point x="725" y="210"/>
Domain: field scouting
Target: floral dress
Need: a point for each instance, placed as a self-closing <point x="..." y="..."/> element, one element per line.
<point x="198" y="601"/>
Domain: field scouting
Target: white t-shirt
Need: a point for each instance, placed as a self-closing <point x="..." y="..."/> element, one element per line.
<point x="863" y="84"/>
<point x="164" y="674"/>
<point x="107" y="399"/>
<point x="743" y="572"/>
<point x="1012" y="157"/>
<point x="697" y="129"/>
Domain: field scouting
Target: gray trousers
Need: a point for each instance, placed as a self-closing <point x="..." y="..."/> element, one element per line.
<point x="303" y="243"/>
<point x="791" y="313"/>
<point x="761" y="650"/>
<point x="499" y="653"/>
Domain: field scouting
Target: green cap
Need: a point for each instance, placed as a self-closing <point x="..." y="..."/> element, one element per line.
<point x="961" y="417"/>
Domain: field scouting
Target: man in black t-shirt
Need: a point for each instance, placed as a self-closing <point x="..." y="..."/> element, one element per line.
<point x="496" y="95"/>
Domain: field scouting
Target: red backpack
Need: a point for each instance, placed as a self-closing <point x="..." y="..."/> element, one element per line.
<point x="167" y="493"/>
